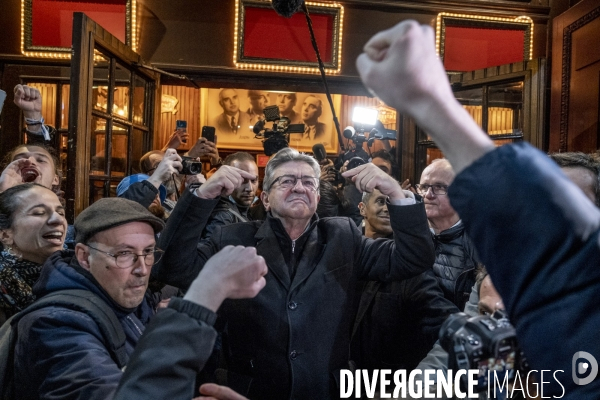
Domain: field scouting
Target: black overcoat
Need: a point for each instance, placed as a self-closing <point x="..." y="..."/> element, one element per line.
<point x="291" y="339"/>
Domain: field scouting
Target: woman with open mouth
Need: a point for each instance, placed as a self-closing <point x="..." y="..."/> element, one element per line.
<point x="32" y="227"/>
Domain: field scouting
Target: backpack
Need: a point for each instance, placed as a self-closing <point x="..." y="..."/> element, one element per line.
<point x="73" y="299"/>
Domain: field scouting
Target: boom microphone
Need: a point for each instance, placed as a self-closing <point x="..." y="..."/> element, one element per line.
<point x="319" y="152"/>
<point x="349" y="132"/>
<point x="286" y="8"/>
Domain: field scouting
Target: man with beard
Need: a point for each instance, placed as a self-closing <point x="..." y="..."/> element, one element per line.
<point x="234" y="208"/>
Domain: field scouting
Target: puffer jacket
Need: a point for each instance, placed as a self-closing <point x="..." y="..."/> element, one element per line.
<point x="455" y="263"/>
<point x="60" y="352"/>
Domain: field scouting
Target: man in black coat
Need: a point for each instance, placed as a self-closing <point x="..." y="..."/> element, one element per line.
<point x="293" y="338"/>
<point x="397" y="323"/>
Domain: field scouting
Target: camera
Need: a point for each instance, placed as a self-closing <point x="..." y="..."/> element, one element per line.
<point x="190" y="166"/>
<point x="278" y="137"/>
<point x="484" y="342"/>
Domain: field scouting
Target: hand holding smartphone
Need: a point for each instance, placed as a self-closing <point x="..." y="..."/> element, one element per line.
<point x="208" y="132"/>
<point x="180" y="124"/>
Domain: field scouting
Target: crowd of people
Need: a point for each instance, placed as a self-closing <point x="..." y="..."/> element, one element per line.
<point x="222" y="288"/>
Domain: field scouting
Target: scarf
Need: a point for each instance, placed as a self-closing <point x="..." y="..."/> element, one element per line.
<point x="16" y="280"/>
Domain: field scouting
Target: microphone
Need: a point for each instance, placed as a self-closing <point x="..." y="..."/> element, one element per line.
<point x="258" y="126"/>
<point x="286" y="8"/>
<point x="319" y="152"/>
<point x="349" y="132"/>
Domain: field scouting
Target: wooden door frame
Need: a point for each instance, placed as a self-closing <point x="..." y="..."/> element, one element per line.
<point x="86" y="35"/>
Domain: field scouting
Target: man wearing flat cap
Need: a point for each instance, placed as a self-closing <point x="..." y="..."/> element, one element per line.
<point x="60" y="352"/>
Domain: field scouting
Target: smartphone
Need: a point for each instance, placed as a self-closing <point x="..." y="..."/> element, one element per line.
<point x="180" y="124"/>
<point x="2" y="98"/>
<point x="208" y="132"/>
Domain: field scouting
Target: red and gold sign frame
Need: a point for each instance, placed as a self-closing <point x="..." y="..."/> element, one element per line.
<point x="46" y="25"/>
<point x="263" y="40"/>
<point x="469" y="42"/>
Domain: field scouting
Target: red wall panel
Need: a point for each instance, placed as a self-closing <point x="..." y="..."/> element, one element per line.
<point x="268" y="35"/>
<point x="52" y="20"/>
<point x="468" y="49"/>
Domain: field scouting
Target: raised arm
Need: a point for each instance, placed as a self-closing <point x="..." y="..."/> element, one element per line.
<point x="401" y="67"/>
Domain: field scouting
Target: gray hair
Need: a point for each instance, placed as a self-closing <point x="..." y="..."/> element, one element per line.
<point x="283" y="156"/>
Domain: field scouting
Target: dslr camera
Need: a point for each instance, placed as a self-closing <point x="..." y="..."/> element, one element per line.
<point x="278" y="137"/>
<point x="484" y="342"/>
<point x="190" y="166"/>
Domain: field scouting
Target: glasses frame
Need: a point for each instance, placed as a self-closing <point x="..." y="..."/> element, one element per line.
<point x="137" y="256"/>
<point x="424" y="192"/>
<point x="276" y="180"/>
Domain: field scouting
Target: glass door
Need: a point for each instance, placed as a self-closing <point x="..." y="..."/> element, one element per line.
<point x="111" y="114"/>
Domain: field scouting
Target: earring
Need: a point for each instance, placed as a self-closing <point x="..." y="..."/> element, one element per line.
<point x="10" y="251"/>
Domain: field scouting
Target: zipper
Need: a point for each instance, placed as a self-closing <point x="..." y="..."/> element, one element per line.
<point x="293" y="246"/>
<point x="134" y="324"/>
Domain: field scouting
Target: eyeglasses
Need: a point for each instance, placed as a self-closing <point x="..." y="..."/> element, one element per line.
<point x="289" y="181"/>
<point x="127" y="259"/>
<point x="437" y="189"/>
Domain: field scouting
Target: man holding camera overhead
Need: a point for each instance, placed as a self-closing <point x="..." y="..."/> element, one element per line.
<point x="293" y="338"/>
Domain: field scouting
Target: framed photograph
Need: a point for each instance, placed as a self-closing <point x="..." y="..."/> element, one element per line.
<point x="265" y="40"/>
<point x="471" y="42"/>
<point x="47" y="25"/>
<point x="234" y="112"/>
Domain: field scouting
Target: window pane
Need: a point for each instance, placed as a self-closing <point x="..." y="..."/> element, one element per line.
<point x="119" y="147"/>
<point x="64" y="106"/>
<point x="122" y="82"/>
<point x="505" y="109"/>
<point x="137" y="147"/>
<point x="98" y="146"/>
<point x="472" y="100"/>
<point x="96" y="190"/>
<point x="139" y="100"/>
<point x="101" y="79"/>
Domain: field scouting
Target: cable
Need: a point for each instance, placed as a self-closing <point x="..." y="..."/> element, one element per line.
<point x="322" y="69"/>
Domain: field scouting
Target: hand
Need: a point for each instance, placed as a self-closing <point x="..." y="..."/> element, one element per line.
<point x="194" y="179"/>
<point x="178" y="137"/>
<point x="170" y="164"/>
<point x="232" y="273"/>
<point x="11" y="175"/>
<point x="368" y="176"/>
<point x="401" y="67"/>
<point x="218" y="392"/>
<point x="328" y="174"/>
<point x="205" y="148"/>
<point x="29" y="100"/>
<point x="223" y="182"/>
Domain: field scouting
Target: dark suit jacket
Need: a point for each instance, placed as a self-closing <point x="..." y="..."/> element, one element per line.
<point x="291" y="340"/>
<point x="223" y="126"/>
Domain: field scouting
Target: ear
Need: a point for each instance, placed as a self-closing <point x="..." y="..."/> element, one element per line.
<point x="264" y="197"/>
<point x="361" y="207"/>
<point x="56" y="180"/>
<point x="6" y="237"/>
<point x="82" y="254"/>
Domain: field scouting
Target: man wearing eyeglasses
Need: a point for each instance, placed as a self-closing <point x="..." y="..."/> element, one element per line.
<point x="293" y="338"/>
<point x="456" y="258"/>
<point x="60" y="352"/>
